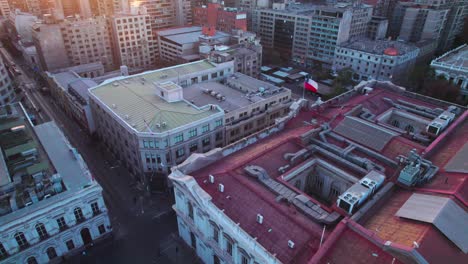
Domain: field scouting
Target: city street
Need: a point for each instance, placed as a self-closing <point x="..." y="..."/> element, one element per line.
<point x="144" y="226"/>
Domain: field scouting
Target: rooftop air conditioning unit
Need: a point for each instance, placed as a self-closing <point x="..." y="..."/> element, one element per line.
<point x="211" y="178"/>
<point x="290" y="244"/>
<point x="158" y="125"/>
<point x="164" y="124"/>
<point x="259" y="218"/>
<point x="221" y="187"/>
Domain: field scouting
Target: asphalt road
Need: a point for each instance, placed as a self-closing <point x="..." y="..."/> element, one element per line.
<point x="144" y="227"/>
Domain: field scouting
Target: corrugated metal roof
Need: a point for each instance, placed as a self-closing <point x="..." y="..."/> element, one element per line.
<point x="459" y="162"/>
<point x="365" y="133"/>
<point x="442" y="212"/>
<point x="136" y="102"/>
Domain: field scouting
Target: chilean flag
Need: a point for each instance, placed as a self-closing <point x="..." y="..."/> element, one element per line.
<point x="311" y="85"/>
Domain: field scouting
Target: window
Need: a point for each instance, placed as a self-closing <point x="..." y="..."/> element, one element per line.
<point x="102" y="229"/>
<point x="395" y="123"/>
<point x="70" y="244"/>
<point x="179" y="138"/>
<point x="244" y="259"/>
<point x="61" y="223"/>
<point x="229" y="247"/>
<point x="31" y="260"/>
<point x="193" y="147"/>
<point x="51" y="253"/>
<point x="180" y="153"/>
<point x="192" y="132"/>
<point x="216" y="260"/>
<point x="95" y="208"/>
<point x="409" y="129"/>
<point x="216" y="234"/>
<point x="3" y="252"/>
<point x="78" y="215"/>
<point x="21" y="240"/>
<point x="206" y="142"/>
<point x="41" y="231"/>
<point x="190" y="210"/>
<point x="205" y="128"/>
<point x="193" y="240"/>
<point x="219" y="123"/>
<point x="204" y="78"/>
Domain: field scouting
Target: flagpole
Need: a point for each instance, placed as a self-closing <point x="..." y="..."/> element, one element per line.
<point x="303" y="87"/>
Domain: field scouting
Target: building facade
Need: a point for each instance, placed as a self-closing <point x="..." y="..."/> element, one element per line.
<point x="62" y="210"/>
<point x="413" y="23"/>
<point x="453" y="66"/>
<point x="149" y="126"/>
<point x="308" y="34"/>
<point x="135" y="46"/>
<point x="377" y="28"/>
<point x="378" y="59"/>
<point x="74" y="41"/>
<point x="177" y="45"/>
<point x="88" y="40"/>
<point x="70" y="91"/>
<point x="222" y="18"/>
<point x="7" y="93"/>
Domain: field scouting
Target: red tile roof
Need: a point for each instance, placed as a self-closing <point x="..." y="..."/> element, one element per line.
<point x="244" y="197"/>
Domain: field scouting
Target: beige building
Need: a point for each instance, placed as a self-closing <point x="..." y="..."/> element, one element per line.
<point x="88" y="40"/>
<point x="146" y="123"/>
<point x="249" y="104"/>
<point x="134" y="44"/>
<point x="73" y="42"/>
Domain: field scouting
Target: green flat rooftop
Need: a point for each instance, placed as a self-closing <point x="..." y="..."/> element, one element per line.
<point x="135" y="101"/>
<point x="19" y="149"/>
<point x="38" y="167"/>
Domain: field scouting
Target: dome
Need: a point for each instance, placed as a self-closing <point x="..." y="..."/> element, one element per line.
<point x="391" y="51"/>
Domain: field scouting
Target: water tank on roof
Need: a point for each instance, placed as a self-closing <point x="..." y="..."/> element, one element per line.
<point x="391" y="51"/>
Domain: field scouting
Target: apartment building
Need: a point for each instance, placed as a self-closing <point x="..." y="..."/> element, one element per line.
<point x="308" y="33"/>
<point x="182" y="44"/>
<point x="7" y="93"/>
<point x="147" y="124"/>
<point x="222" y="18"/>
<point x="377" y="59"/>
<point x="377" y="28"/>
<point x="135" y="45"/>
<point x="412" y="22"/>
<point x="4" y="8"/>
<point x="247" y="56"/>
<point x="51" y="206"/>
<point x="167" y="13"/>
<point x="112" y="7"/>
<point x="73" y="41"/>
<point x="249" y="104"/>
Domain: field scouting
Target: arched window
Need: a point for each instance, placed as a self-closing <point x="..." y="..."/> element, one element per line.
<point x="409" y="129"/>
<point x="78" y="214"/>
<point x="3" y="252"/>
<point x="41" y="231"/>
<point x="190" y="210"/>
<point x="51" y="253"/>
<point x="244" y="257"/>
<point x="215" y="232"/>
<point x="395" y="123"/>
<point x="21" y="240"/>
<point x="31" y="260"/>
<point x="229" y="244"/>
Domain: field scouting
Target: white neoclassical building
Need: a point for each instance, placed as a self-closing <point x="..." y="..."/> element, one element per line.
<point x="50" y="206"/>
<point x="453" y="65"/>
